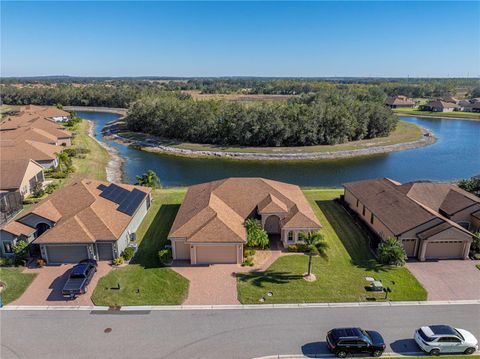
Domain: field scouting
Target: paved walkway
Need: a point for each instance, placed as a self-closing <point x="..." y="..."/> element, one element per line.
<point x="448" y="279"/>
<point x="46" y="288"/>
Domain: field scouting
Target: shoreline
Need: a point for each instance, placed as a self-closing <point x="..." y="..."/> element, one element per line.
<point x="427" y="138"/>
<point x="435" y="116"/>
<point x="114" y="168"/>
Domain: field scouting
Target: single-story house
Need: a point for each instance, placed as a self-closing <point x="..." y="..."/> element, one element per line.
<point x="20" y="175"/>
<point x="32" y="134"/>
<point x="469" y="106"/>
<point x="43" y="153"/>
<point x="449" y="98"/>
<point x="431" y="220"/>
<point x="88" y="219"/>
<point x="51" y="112"/>
<point x="439" y="106"/>
<point x="399" y="101"/>
<point x="209" y="227"/>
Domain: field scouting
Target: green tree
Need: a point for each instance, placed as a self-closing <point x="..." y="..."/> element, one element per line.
<point x="471" y="185"/>
<point x="316" y="246"/>
<point x="391" y="252"/>
<point x="149" y="179"/>
<point x="475" y="246"/>
<point x="256" y="235"/>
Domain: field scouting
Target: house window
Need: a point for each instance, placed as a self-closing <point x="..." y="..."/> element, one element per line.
<point x="7" y="247"/>
<point x="363" y="211"/>
<point x="371" y="218"/>
<point x="290" y="236"/>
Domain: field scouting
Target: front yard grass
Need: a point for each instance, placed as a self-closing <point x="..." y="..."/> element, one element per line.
<point x="454" y="114"/>
<point x="341" y="278"/>
<point x="145" y="282"/>
<point x="16" y="283"/>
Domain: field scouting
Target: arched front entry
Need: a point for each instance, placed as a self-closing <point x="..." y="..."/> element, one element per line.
<point x="42" y="228"/>
<point x="272" y="224"/>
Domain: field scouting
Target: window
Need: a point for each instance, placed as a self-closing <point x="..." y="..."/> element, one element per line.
<point x="363" y="212"/>
<point x="290" y="236"/>
<point x="7" y="247"/>
<point x="371" y="218"/>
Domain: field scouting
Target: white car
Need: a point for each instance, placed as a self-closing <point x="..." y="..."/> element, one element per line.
<point x="436" y="339"/>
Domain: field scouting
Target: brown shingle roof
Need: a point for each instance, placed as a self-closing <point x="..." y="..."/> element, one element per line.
<point x="399" y="100"/>
<point x="17" y="228"/>
<point x="12" y="172"/>
<point x="216" y="211"/>
<point x="25" y="119"/>
<point x="441" y="104"/>
<point x="37" y="151"/>
<point x="81" y="215"/>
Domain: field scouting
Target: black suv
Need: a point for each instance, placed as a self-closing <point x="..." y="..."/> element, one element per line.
<point x="344" y="341"/>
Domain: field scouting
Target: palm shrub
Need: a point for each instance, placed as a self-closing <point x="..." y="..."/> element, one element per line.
<point x="256" y="235"/>
<point x="149" y="179"/>
<point x="391" y="252"/>
<point x="315" y="246"/>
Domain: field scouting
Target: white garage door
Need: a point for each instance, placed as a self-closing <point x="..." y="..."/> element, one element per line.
<point x="216" y="254"/>
<point x="444" y="249"/>
<point x="67" y="254"/>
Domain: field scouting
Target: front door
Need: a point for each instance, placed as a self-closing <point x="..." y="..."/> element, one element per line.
<point x="272" y="224"/>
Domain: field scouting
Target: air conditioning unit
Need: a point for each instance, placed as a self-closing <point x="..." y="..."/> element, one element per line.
<point x="133" y="236"/>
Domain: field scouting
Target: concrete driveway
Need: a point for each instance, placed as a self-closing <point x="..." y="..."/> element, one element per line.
<point x="448" y="279"/>
<point x="46" y="289"/>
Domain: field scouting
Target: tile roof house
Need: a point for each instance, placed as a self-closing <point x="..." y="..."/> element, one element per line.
<point x="431" y="220"/>
<point x="88" y="219"/>
<point x="20" y="175"/>
<point x="209" y="227"/>
<point x="43" y="153"/>
<point x="439" y="106"/>
<point x="399" y="101"/>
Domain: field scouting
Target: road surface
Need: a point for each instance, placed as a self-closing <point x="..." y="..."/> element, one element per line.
<point x="223" y="334"/>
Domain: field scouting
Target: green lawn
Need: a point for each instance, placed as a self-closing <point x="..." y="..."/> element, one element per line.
<point x="454" y="114"/>
<point x="405" y="132"/>
<point x="16" y="282"/>
<point x="144" y="282"/>
<point x="341" y="278"/>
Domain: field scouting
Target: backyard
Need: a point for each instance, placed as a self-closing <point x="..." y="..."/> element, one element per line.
<point x="340" y="278"/>
<point x="15" y="283"/>
<point x="454" y="114"/>
<point x="145" y="281"/>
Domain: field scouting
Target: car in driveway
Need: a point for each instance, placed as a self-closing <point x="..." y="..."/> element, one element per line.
<point x="79" y="278"/>
<point x="437" y="339"/>
<point x="344" y="341"/>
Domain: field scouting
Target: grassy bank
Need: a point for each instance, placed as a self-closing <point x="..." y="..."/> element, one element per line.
<point x="145" y="282"/>
<point x="341" y="278"/>
<point x="455" y="114"/>
<point x="16" y="283"/>
<point x="405" y="132"/>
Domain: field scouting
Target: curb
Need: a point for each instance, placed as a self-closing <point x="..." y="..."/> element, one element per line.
<point x="301" y="356"/>
<point x="239" y="306"/>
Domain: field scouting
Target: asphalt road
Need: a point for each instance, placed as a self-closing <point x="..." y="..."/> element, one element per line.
<point x="196" y="334"/>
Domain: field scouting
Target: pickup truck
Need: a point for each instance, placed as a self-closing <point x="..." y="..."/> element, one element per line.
<point x="80" y="277"/>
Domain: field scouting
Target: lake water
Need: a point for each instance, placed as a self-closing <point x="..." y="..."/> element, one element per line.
<point x="455" y="155"/>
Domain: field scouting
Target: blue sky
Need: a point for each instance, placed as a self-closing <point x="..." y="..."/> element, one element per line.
<point x="400" y="39"/>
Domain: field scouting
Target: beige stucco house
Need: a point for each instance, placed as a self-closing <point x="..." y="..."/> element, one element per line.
<point x="209" y="227"/>
<point x="88" y="219"/>
<point x="20" y="175"/>
<point x="431" y="220"/>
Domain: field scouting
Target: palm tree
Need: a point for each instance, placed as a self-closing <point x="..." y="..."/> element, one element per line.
<point x="316" y="246"/>
<point x="149" y="179"/>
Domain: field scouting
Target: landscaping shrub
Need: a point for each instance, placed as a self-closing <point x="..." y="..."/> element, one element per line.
<point x="256" y="235"/>
<point x="302" y="247"/>
<point x="38" y="190"/>
<point x="475" y="246"/>
<point x="128" y="253"/>
<point x="31" y="200"/>
<point x="7" y="261"/>
<point x="58" y="174"/>
<point x="118" y="261"/>
<point x="165" y="256"/>
<point x="51" y="187"/>
<point x="248" y="262"/>
<point x="248" y="252"/>
<point x="292" y="248"/>
<point x="392" y="252"/>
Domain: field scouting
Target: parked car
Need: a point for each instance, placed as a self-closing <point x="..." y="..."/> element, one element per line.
<point x="79" y="279"/>
<point x="436" y="339"/>
<point x="344" y="341"/>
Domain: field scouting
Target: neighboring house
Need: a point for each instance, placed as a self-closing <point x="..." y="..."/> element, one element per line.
<point x="399" y="102"/>
<point x="20" y="175"/>
<point x="42" y="153"/>
<point x="31" y="133"/>
<point x="469" y="105"/>
<point x="431" y="220"/>
<point x="88" y="219"/>
<point x="50" y="112"/>
<point x="449" y="98"/>
<point x="209" y="227"/>
<point x="439" y="106"/>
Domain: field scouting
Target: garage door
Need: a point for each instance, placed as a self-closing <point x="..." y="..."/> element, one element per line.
<point x="66" y="254"/>
<point x="216" y="254"/>
<point x="104" y="251"/>
<point x="444" y="249"/>
<point x="409" y="246"/>
<point x="182" y="250"/>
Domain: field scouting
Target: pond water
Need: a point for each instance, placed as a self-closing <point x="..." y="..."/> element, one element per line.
<point x="455" y="155"/>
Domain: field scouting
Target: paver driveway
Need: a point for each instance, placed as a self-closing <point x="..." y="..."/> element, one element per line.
<point x="448" y="279"/>
<point x="46" y="288"/>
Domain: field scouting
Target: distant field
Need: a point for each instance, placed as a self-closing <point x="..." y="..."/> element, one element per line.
<point x="405" y="132"/>
<point x="197" y="95"/>
<point x="455" y="114"/>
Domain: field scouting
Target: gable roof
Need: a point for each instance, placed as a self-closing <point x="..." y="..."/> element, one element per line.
<point x="216" y="211"/>
<point x="12" y="172"/>
<point x="26" y="149"/>
<point x="33" y="120"/>
<point x="399" y="100"/>
<point x="81" y="214"/>
<point x="46" y="111"/>
<point x="441" y="104"/>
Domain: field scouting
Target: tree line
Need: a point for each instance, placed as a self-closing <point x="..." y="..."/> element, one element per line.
<point x="328" y="118"/>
